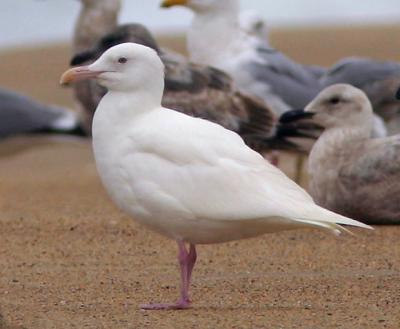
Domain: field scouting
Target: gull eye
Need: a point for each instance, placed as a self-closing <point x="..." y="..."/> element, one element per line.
<point x="122" y="60"/>
<point x="334" y="100"/>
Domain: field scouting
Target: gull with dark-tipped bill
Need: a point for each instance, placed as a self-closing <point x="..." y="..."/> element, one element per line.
<point x="350" y="172"/>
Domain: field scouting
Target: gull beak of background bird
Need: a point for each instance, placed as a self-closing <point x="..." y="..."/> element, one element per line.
<point x="295" y="115"/>
<point x="78" y="74"/>
<point x="398" y="94"/>
<point x="291" y="124"/>
<point x="171" y="3"/>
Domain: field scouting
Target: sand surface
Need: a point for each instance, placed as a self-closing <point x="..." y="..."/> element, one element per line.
<point x="70" y="259"/>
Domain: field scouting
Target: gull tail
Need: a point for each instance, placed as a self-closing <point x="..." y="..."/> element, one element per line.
<point x="328" y="220"/>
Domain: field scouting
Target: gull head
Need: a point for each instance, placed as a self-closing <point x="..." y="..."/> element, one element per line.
<point x="202" y="6"/>
<point x="254" y="24"/>
<point x="126" y="67"/>
<point x="340" y="105"/>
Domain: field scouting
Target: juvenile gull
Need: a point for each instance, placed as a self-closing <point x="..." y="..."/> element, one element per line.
<point x="186" y="178"/>
<point x="197" y="90"/>
<point x="215" y="38"/>
<point x="350" y="172"/>
<point x="20" y="114"/>
<point x="378" y="79"/>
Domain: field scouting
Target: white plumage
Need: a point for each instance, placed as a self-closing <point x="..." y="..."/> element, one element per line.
<point x="186" y="178"/>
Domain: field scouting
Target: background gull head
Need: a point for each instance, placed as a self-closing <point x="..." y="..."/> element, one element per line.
<point x="341" y="105"/>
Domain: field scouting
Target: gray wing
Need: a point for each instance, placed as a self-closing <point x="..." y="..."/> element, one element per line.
<point x="315" y="70"/>
<point x="360" y="72"/>
<point x="296" y="84"/>
<point x="20" y="114"/>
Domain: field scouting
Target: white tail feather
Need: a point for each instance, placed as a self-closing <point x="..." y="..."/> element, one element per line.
<point x="332" y="222"/>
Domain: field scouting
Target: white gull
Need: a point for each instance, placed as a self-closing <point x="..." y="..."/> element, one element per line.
<point x="186" y="178"/>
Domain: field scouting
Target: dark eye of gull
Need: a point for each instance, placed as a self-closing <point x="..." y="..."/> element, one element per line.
<point x="122" y="60"/>
<point x="334" y="100"/>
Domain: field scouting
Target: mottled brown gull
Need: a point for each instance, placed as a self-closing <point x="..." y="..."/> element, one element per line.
<point x="350" y="172"/>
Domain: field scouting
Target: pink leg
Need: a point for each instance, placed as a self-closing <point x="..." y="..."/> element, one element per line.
<point x="186" y="262"/>
<point x="192" y="257"/>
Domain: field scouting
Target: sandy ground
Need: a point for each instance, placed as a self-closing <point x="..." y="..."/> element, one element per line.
<point x="70" y="259"/>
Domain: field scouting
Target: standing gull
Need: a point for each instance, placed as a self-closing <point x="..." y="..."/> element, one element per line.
<point x="186" y="178"/>
<point x="196" y="90"/>
<point x="350" y="172"/>
<point x="215" y="38"/>
<point x="21" y="115"/>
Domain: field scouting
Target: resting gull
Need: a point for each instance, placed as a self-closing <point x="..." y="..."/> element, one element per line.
<point x="20" y="114"/>
<point x="186" y="178"/>
<point x="215" y="38"/>
<point x="378" y="79"/>
<point x="350" y="172"/>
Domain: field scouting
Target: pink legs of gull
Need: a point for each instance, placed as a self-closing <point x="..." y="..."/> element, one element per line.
<point x="186" y="259"/>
